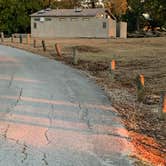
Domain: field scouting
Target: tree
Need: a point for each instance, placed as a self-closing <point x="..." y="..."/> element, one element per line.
<point x="14" y="14"/>
<point x="155" y="8"/>
<point x="157" y="11"/>
<point x="67" y="4"/>
<point x="117" y="7"/>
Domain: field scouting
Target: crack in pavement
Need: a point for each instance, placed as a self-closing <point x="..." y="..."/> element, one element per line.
<point x="85" y="116"/>
<point x="6" y="131"/>
<point x="79" y="106"/>
<point x="25" y="147"/>
<point x="51" y="113"/>
<point x="11" y="81"/>
<point x="50" y="116"/>
<point x="71" y="93"/>
<point x="11" y="108"/>
<point x="46" y="136"/>
<point x="24" y="153"/>
<point x="19" y="97"/>
<point x="44" y="159"/>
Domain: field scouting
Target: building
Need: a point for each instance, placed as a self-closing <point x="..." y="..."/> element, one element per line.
<point x="73" y="23"/>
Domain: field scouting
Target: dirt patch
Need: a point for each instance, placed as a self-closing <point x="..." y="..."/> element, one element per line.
<point x="145" y="56"/>
<point x="85" y="48"/>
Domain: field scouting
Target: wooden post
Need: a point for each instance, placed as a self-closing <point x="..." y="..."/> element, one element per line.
<point x="12" y="38"/>
<point x="112" y="70"/>
<point x="20" y="37"/>
<point x="44" y="45"/>
<point x="140" y="81"/>
<point x="162" y="110"/>
<point x="2" y="37"/>
<point x="75" y="58"/>
<point x="28" y="39"/>
<point x="58" y="50"/>
<point x="34" y="43"/>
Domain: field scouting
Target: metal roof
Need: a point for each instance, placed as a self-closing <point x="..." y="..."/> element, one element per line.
<point x="69" y="12"/>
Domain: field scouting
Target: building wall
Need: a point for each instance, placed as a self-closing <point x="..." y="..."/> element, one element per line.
<point x="112" y="28"/>
<point x="72" y="27"/>
<point x="122" y="29"/>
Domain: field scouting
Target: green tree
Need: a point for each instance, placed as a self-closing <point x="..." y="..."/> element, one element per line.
<point x="157" y="11"/>
<point x="117" y="7"/>
<point x="155" y="8"/>
<point x="14" y="14"/>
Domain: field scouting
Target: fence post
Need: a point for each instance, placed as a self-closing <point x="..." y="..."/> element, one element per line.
<point x="2" y="37"/>
<point x="43" y="45"/>
<point x="140" y="81"/>
<point x="20" y="37"/>
<point x="34" y="43"/>
<point x="58" y="50"/>
<point x="75" y="58"/>
<point x="162" y="108"/>
<point x="28" y="39"/>
<point x="112" y="70"/>
<point x="12" y="38"/>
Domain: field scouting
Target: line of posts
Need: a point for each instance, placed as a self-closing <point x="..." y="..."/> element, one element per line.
<point x="140" y="80"/>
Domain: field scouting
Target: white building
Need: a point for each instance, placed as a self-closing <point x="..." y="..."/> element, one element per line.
<point x="73" y="23"/>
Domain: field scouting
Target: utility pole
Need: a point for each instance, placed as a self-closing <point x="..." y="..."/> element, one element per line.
<point x="49" y="3"/>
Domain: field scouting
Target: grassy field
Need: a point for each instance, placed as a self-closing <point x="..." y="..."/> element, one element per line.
<point x="145" y="56"/>
<point x="133" y="56"/>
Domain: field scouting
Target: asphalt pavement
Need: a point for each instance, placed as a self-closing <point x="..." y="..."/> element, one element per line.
<point x="53" y="115"/>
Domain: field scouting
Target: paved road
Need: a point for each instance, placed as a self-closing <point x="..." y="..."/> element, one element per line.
<point x="51" y="114"/>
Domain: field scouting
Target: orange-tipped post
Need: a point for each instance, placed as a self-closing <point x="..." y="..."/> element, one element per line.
<point x="112" y="70"/>
<point x="162" y="110"/>
<point x="164" y="104"/>
<point x="58" y="50"/>
<point x="113" y="65"/>
<point x="140" y="81"/>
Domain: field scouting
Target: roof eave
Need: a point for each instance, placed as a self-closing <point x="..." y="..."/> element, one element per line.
<point x="63" y="16"/>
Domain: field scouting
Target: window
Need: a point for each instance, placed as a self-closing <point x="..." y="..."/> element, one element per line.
<point x="85" y="19"/>
<point x="37" y="19"/>
<point x="104" y="25"/>
<point x="48" y="19"/>
<point x="35" y="25"/>
<point x="42" y="19"/>
<point x="61" y="19"/>
<point x="74" y="19"/>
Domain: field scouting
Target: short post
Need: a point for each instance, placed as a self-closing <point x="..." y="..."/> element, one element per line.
<point x="44" y="45"/>
<point x="75" y="58"/>
<point x="162" y="108"/>
<point x="20" y="37"/>
<point x="12" y="38"/>
<point x="2" y="37"/>
<point x="112" y="70"/>
<point x="58" y="50"/>
<point x="140" y="81"/>
<point x="28" y="39"/>
<point x="34" y="43"/>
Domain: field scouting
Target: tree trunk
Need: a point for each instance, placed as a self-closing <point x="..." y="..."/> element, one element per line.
<point x="137" y="23"/>
<point x="93" y="3"/>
